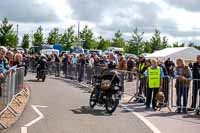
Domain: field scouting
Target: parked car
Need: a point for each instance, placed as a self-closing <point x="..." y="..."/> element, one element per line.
<point x="21" y="50"/>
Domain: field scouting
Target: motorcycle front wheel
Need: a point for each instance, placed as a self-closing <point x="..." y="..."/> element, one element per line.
<point x="111" y="103"/>
<point x="43" y="77"/>
<point x="92" y="101"/>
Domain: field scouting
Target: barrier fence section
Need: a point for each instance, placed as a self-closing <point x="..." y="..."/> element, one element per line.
<point x="85" y="73"/>
<point x="10" y="85"/>
<point x="185" y="93"/>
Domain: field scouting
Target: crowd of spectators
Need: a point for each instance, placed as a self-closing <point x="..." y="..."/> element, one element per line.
<point x="10" y="58"/>
<point x="133" y="67"/>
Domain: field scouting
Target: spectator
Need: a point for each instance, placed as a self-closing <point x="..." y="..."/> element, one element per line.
<point x="10" y="58"/>
<point x="64" y="64"/>
<point x="3" y="65"/>
<point x="141" y="70"/>
<point x="166" y="80"/>
<point x="190" y="65"/>
<point x="154" y="75"/>
<point x="196" y="82"/>
<point x="130" y="66"/>
<point x="112" y="57"/>
<point x="122" y="64"/>
<point x="145" y="89"/>
<point x="74" y="65"/>
<point x="3" y="61"/>
<point x="183" y="76"/>
<point x="69" y="65"/>
<point x="18" y="60"/>
<point x="81" y="68"/>
<point x="169" y="67"/>
<point x="57" y="65"/>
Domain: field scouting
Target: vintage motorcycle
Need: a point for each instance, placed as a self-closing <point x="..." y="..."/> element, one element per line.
<point x="107" y="90"/>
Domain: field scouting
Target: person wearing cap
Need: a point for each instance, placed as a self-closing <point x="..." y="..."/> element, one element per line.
<point x="141" y="74"/>
<point x="196" y="82"/>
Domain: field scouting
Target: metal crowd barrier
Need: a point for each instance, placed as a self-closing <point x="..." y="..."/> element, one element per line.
<point x="86" y="73"/>
<point x="135" y="86"/>
<point x="185" y="94"/>
<point x="11" y="84"/>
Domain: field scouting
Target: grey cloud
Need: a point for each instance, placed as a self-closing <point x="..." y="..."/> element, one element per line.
<point x="26" y="11"/>
<point x="191" y="5"/>
<point x="147" y="21"/>
<point x="92" y="10"/>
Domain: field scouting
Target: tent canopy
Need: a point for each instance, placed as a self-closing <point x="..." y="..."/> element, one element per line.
<point x="186" y="53"/>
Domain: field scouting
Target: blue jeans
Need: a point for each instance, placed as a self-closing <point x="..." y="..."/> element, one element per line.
<point x="182" y="91"/>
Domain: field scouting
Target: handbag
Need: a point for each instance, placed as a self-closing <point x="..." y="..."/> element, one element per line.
<point x="106" y="84"/>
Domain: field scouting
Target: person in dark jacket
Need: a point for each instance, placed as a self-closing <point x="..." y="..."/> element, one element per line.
<point x="169" y="67"/>
<point x="81" y="62"/>
<point x="130" y="66"/>
<point x="41" y="64"/>
<point x="196" y="81"/>
<point x="166" y="80"/>
<point x="141" y="68"/>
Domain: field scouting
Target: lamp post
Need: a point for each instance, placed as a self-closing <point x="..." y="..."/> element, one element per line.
<point x="17" y="34"/>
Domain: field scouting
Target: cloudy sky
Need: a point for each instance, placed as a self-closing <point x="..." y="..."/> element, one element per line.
<point x="179" y="20"/>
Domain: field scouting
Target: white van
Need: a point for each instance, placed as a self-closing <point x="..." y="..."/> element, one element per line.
<point x="49" y="51"/>
<point x="116" y="50"/>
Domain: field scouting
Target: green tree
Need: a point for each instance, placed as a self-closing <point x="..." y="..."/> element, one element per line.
<point x="38" y="37"/>
<point x="177" y="44"/>
<point x="25" y="41"/>
<point x="103" y="44"/>
<point x="87" y="39"/>
<point x="54" y="36"/>
<point x="157" y="42"/>
<point x="68" y="38"/>
<point x="135" y="44"/>
<point x="164" y="42"/>
<point x="118" y="40"/>
<point x="7" y="35"/>
<point x="147" y="47"/>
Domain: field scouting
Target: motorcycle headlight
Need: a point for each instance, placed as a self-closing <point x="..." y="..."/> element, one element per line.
<point x="116" y="88"/>
<point x="97" y="83"/>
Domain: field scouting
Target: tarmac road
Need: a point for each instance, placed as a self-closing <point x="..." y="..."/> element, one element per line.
<point x="68" y="111"/>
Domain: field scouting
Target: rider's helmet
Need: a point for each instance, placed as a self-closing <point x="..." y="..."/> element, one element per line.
<point x="112" y="65"/>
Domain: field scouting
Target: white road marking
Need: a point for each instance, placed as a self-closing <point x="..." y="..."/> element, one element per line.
<point x="41" y="116"/>
<point x="142" y="118"/>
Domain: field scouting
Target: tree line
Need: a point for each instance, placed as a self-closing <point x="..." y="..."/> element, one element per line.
<point x="136" y="45"/>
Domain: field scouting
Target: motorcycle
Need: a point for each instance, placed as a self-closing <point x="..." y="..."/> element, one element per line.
<point x="107" y="90"/>
<point x="41" y="75"/>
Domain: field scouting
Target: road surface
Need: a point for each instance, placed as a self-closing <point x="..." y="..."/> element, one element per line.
<point x="68" y="111"/>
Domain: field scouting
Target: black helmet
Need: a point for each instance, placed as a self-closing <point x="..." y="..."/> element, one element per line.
<point x="112" y="65"/>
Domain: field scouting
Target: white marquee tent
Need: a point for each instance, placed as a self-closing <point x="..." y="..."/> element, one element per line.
<point x="186" y="53"/>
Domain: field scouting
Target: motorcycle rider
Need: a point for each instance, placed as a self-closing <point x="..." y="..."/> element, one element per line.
<point x="41" y="64"/>
<point x="110" y="66"/>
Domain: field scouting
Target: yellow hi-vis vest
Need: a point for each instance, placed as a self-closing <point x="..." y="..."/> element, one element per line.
<point x="154" y="77"/>
<point x="141" y="67"/>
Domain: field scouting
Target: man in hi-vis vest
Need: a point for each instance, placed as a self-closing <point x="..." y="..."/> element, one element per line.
<point x="141" y="74"/>
<point x="154" y="75"/>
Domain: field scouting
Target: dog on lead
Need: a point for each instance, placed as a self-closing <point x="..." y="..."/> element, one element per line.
<point x="160" y="98"/>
